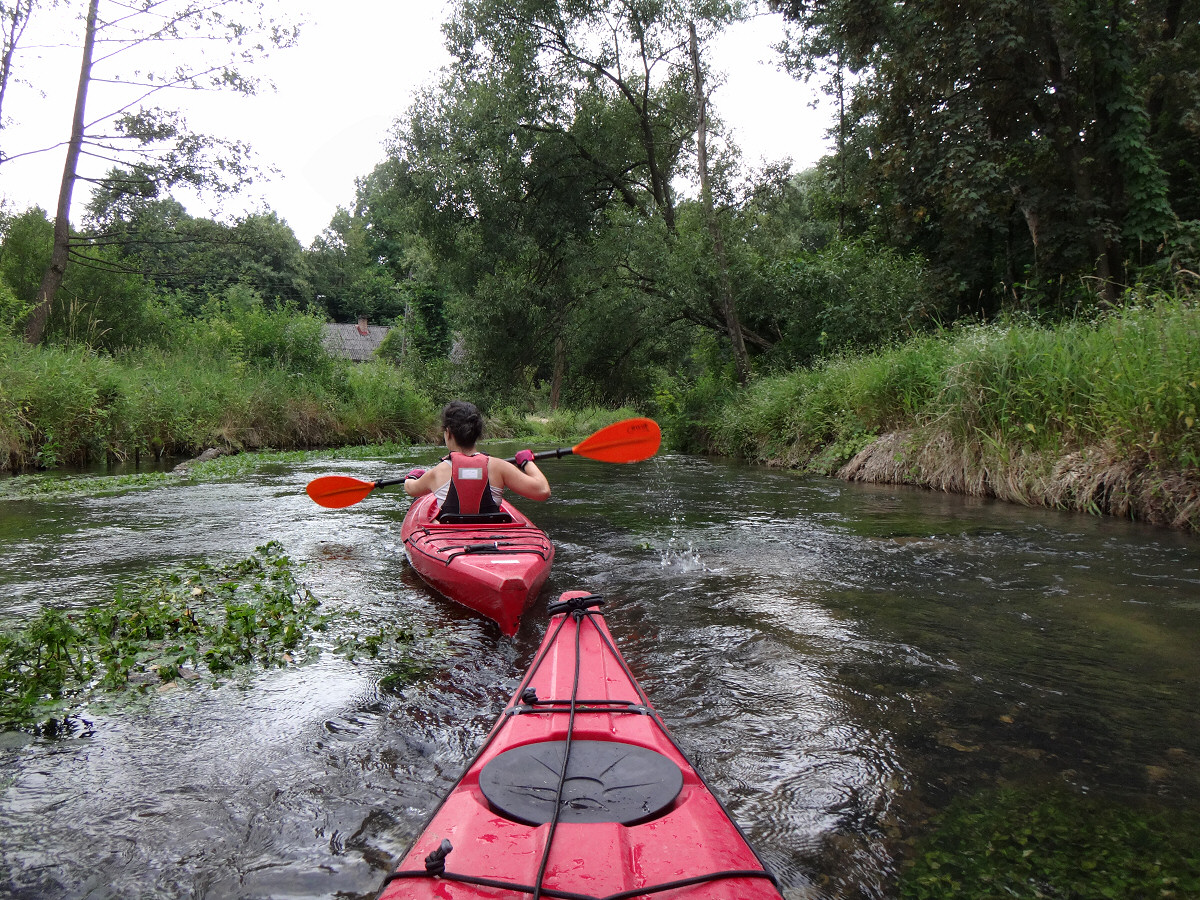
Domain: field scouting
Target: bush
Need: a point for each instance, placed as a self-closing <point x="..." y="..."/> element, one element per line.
<point x="379" y="403"/>
<point x="848" y="295"/>
<point x="238" y="327"/>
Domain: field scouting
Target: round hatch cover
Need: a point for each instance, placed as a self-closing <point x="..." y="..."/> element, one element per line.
<point x="607" y="781"/>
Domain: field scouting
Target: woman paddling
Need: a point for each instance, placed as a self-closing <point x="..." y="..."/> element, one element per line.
<point x="468" y="482"/>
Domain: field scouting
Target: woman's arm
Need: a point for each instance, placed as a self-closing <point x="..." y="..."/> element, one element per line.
<point x="429" y="482"/>
<point x="530" y="483"/>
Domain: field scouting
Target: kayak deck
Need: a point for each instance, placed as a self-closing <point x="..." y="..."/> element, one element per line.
<point x="626" y="817"/>
<point x="493" y="568"/>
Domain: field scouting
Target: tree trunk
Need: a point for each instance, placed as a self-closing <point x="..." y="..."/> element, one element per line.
<point x="53" y="278"/>
<point x="560" y="369"/>
<point x="1072" y="125"/>
<point x="728" y="308"/>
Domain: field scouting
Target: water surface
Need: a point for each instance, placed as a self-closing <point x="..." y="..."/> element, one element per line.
<point x="840" y="661"/>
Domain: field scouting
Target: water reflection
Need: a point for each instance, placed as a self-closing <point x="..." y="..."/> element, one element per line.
<point x="839" y="661"/>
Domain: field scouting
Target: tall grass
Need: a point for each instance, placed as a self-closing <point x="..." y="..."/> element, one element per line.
<point x="1128" y="382"/>
<point x="68" y="405"/>
<point x="551" y="426"/>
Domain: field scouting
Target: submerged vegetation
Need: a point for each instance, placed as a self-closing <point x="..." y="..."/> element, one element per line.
<point x="200" y="623"/>
<point x="1057" y="845"/>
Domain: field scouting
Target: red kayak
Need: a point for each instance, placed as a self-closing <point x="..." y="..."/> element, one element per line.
<point x="494" y="565"/>
<point x="580" y="792"/>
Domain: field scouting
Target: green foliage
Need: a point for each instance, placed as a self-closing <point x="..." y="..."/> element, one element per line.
<point x="1130" y="380"/>
<point x="24" y="256"/>
<point x="194" y="259"/>
<point x="1018" y="146"/>
<point x="255" y="379"/>
<point x="550" y="244"/>
<point x="239" y="327"/>
<point x="57" y="405"/>
<point x="684" y="401"/>
<point x="382" y="402"/>
<point x="1055" y="845"/>
<point x="12" y="311"/>
<point x="102" y="307"/>
<point x="559" y="426"/>
<point x="848" y="295"/>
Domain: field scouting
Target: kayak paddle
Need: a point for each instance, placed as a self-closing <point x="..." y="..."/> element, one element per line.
<point x="627" y="441"/>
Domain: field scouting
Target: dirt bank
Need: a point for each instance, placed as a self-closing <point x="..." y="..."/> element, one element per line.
<point x="1091" y="480"/>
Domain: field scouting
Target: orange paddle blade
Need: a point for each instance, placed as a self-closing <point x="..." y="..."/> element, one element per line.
<point x="338" y="491"/>
<point x="628" y="441"/>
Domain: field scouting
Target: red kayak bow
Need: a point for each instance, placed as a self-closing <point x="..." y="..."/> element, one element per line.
<point x="580" y="792"/>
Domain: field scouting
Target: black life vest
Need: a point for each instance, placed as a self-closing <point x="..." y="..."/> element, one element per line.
<point x="470" y="492"/>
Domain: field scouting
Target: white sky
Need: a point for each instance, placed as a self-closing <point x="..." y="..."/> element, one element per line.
<point x="356" y="69"/>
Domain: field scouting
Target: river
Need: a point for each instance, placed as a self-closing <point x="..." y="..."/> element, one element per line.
<point x="840" y="661"/>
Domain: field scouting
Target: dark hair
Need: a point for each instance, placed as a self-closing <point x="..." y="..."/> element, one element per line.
<point x="464" y="420"/>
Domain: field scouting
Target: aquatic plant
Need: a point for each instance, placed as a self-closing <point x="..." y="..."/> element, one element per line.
<point x="1055" y="845"/>
<point x="193" y="624"/>
<point x="45" y="485"/>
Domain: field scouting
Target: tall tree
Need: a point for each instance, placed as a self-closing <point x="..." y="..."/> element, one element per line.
<point x="154" y="143"/>
<point x="14" y="17"/>
<point x="1014" y="142"/>
<point x="555" y="120"/>
<point x="724" y="288"/>
<point x="142" y="233"/>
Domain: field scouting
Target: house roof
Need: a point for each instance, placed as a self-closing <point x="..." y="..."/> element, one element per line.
<point x="350" y="342"/>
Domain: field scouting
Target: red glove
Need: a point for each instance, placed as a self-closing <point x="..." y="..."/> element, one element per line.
<point x="524" y="458"/>
<point x="413" y="474"/>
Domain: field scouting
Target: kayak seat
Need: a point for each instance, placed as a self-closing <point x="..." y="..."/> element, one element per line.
<point x="497" y="518"/>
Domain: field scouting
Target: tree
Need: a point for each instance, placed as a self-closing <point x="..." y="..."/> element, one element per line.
<point x="153" y="236"/>
<point x="14" y="17"/>
<point x="1017" y="144"/>
<point x="554" y="119"/>
<point x="725" y="289"/>
<point x="354" y="273"/>
<point x="155" y="144"/>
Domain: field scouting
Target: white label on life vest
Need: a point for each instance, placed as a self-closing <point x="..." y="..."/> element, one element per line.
<point x="471" y="474"/>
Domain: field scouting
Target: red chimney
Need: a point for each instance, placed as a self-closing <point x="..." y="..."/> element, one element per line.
<point x="362" y="325"/>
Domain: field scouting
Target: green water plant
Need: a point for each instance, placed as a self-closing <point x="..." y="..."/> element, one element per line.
<point x="1055" y="844"/>
<point x="49" y="485"/>
<point x="201" y="623"/>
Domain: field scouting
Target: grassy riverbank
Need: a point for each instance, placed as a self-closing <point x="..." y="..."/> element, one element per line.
<point x="1098" y="415"/>
<point x="243" y="380"/>
<point x="70" y="406"/>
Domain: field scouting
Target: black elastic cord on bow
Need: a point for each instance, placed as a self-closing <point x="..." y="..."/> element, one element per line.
<point x="435" y="862"/>
<point x="574" y="604"/>
<point x="578" y="607"/>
